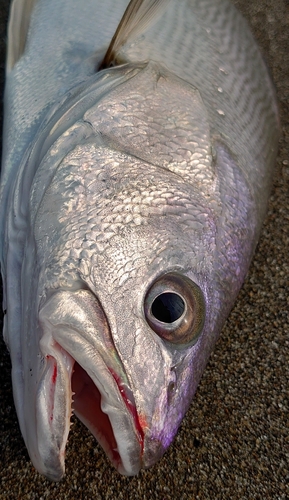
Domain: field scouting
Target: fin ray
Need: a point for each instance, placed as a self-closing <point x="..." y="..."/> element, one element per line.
<point x="138" y="16"/>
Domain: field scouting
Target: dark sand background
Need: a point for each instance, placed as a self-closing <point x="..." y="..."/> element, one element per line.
<point x="234" y="441"/>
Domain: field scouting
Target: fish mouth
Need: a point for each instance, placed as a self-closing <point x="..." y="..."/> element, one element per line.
<point x="90" y="405"/>
<point x="87" y="406"/>
<point x="86" y="378"/>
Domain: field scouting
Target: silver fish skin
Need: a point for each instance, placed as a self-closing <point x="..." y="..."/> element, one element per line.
<point x="131" y="203"/>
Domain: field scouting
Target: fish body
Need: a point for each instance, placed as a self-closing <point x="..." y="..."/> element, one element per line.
<point x="131" y="203"/>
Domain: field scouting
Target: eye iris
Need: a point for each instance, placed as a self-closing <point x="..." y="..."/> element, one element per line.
<point x="174" y="308"/>
<point x="168" y="307"/>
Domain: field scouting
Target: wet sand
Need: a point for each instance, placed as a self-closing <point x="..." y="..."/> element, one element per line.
<point x="234" y="441"/>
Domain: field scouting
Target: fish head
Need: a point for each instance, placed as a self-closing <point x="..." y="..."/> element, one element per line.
<point x="134" y="268"/>
<point x="127" y="291"/>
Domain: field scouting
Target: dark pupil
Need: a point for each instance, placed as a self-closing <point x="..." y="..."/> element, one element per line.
<point x="168" y="307"/>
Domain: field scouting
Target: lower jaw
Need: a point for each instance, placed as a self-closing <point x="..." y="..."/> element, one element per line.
<point x="87" y="407"/>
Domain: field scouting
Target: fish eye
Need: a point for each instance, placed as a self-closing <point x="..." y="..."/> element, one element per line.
<point x="174" y="308"/>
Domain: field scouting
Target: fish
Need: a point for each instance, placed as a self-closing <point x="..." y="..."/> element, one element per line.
<point x="138" y="153"/>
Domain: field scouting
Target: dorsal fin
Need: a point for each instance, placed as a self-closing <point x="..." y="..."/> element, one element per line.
<point x="138" y="16"/>
<point x="19" y="19"/>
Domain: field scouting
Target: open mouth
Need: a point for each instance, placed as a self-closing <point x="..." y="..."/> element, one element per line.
<point x="87" y="405"/>
<point x="83" y="373"/>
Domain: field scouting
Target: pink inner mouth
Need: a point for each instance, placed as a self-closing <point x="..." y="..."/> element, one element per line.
<point x="87" y="406"/>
